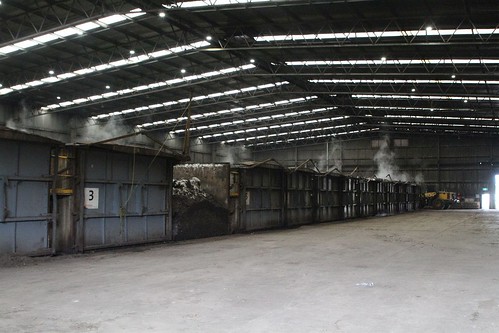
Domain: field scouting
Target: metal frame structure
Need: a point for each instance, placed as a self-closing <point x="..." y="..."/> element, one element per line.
<point x="374" y="67"/>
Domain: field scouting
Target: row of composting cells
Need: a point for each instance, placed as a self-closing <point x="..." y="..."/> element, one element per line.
<point x="266" y="195"/>
<point x="56" y="198"/>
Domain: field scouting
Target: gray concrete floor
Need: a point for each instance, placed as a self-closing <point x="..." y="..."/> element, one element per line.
<point x="431" y="271"/>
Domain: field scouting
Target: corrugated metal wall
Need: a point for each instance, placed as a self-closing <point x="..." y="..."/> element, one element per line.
<point x="262" y="198"/>
<point x="329" y="192"/>
<point x="304" y="197"/>
<point x="25" y="219"/>
<point x="134" y="198"/>
<point x="458" y="164"/>
<point x="300" y="198"/>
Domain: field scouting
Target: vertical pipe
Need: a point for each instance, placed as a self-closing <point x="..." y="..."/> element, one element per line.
<point x="327" y="155"/>
<point x="80" y="241"/>
<point x="54" y="201"/>
<point x="438" y="163"/>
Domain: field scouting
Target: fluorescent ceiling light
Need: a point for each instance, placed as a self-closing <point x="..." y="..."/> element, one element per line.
<point x="70" y="31"/>
<point x="169" y="103"/>
<point x="133" y="59"/>
<point x="341" y="36"/>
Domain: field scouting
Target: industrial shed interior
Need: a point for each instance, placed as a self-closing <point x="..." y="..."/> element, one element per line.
<point x="249" y="166"/>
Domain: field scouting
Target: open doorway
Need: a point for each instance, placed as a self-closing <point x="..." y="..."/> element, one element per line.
<point x="486" y="201"/>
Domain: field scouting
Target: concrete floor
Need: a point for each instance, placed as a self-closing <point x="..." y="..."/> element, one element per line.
<point x="431" y="271"/>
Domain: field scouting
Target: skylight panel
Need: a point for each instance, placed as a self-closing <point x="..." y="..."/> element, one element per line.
<point x="9" y="49"/>
<point x="78" y="29"/>
<point x="399" y="81"/>
<point x="46" y="38"/>
<point x="112" y="19"/>
<point x="115" y="64"/>
<point x="212" y="3"/>
<point x="392" y="62"/>
<point x="87" y="26"/>
<point x="67" y="32"/>
<point x="277" y="84"/>
<point x="340" y="36"/>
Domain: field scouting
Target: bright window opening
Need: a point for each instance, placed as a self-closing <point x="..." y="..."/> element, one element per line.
<point x="486" y="201"/>
<point x="496" y="185"/>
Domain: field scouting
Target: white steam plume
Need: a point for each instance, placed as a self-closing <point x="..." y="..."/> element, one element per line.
<point x="387" y="167"/>
<point x="234" y="154"/>
<point x="332" y="157"/>
<point x="100" y="131"/>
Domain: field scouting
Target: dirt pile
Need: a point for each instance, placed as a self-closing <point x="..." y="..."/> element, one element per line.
<point x="196" y="214"/>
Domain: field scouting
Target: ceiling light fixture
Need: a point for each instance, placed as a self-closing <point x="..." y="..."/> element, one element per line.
<point x="182" y="71"/>
<point x="162" y="14"/>
<point x="132" y="52"/>
<point x="208" y="38"/>
<point x="108" y="87"/>
<point x="51" y="72"/>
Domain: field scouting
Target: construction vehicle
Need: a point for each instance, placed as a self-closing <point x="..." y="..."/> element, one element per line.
<point x="438" y="199"/>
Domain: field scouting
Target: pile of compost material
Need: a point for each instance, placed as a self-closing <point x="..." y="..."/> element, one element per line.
<point x="196" y="214"/>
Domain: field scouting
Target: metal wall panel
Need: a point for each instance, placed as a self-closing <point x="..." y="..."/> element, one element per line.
<point x="262" y="198"/>
<point x="25" y="219"/>
<point x="134" y="198"/>
<point x="329" y="198"/>
<point x="301" y="198"/>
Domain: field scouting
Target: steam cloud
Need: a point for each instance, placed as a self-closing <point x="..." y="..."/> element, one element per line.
<point x="334" y="156"/>
<point x="114" y="127"/>
<point x="22" y="119"/>
<point x="387" y="166"/>
<point x="235" y="154"/>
